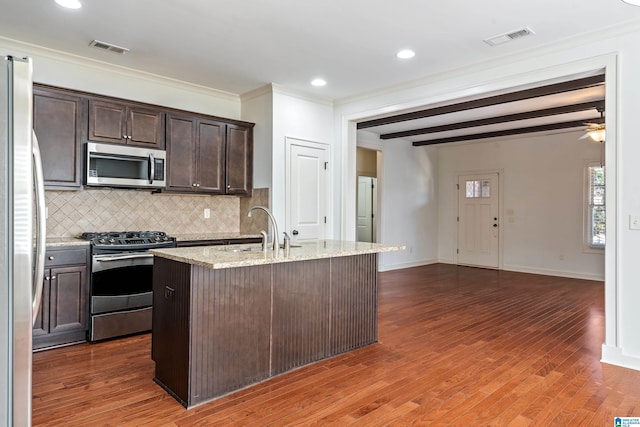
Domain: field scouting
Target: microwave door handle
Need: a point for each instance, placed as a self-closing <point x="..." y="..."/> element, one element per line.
<point x="152" y="168"/>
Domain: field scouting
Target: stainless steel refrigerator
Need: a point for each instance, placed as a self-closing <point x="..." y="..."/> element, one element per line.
<point x="22" y="234"/>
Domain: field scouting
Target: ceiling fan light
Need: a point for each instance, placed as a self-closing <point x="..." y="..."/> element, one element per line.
<point x="632" y="2"/>
<point x="598" y="135"/>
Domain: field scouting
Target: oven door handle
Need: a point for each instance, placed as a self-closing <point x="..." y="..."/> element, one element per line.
<point x="108" y="258"/>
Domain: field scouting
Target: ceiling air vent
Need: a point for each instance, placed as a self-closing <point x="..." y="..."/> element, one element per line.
<point x="507" y="37"/>
<point x="108" y="46"/>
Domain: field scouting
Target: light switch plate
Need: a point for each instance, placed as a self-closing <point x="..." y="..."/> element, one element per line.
<point x="207" y="213"/>
<point x="634" y="222"/>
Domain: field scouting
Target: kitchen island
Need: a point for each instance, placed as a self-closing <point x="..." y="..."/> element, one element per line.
<point x="228" y="317"/>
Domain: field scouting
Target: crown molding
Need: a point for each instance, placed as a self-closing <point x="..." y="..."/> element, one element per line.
<point x="282" y="90"/>
<point x="57" y="55"/>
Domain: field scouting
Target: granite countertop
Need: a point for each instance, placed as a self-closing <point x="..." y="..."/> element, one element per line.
<point x="187" y="237"/>
<point x="65" y="241"/>
<point x="217" y="257"/>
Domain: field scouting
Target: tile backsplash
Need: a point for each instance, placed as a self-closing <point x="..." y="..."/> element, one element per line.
<point x="71" y="213"/>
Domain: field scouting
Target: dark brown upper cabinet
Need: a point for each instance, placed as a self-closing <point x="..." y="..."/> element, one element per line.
<point x="208" y="156"/>
<point x="126" y="123"/>
<point x="59" y="119"/>
<point x="195" y="155"/>
<point x="239" y="156"/>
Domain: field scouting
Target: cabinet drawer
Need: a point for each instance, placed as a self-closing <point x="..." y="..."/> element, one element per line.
<point x="65" y="257"/>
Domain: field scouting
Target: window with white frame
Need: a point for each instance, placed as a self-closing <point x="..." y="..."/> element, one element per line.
<point x="595" y="206"/>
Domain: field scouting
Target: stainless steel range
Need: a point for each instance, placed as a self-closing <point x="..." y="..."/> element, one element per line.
<point x="121" y="281"/>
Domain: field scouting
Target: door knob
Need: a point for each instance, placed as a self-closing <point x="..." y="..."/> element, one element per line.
<point x="294" y="232"/>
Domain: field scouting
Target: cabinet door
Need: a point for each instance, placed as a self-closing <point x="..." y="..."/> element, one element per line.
<point x="68" y="299"/>
<point x="41" y="326"/>
<point x="210" y="157"/>
<point x="107" y="122"/>
<point x="181" y="161"/>
<point x="58" y="122"/>
<point x="239" y="173"/>
<point x="145" y="127"/>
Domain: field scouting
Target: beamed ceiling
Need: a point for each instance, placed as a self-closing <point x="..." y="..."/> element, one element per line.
<point x="553" y="107"/>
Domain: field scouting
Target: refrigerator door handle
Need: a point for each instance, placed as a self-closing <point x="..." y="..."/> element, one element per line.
<point x="41" y="230"/>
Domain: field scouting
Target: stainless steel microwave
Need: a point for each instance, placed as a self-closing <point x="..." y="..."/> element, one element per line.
<point x="109" y="165"/>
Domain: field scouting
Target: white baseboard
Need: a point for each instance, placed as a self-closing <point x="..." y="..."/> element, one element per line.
<point x="515" y="268"/>
<point x="615" y="356"/>
<point x="390" y="267"/>
<point x="549" y="272"/>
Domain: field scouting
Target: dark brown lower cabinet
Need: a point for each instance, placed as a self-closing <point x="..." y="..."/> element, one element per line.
<point x="216" y="331"/>
<point x="62" y="317"/>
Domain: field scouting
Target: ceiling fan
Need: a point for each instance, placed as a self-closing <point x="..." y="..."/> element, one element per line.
<point x="596" y="131"/>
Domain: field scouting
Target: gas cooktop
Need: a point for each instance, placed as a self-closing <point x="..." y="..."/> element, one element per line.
<point x="129" y="239"/>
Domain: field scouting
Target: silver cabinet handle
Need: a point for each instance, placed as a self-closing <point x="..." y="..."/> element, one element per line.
<point x="41" y="229"/>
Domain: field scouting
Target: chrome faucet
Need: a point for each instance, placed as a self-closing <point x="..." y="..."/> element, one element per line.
<point x="276" y="242"/>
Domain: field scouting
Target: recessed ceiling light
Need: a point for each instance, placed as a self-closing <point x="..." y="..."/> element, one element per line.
<point x="70" y="4"/>
<point x="405" y="54"/>
<point x="319" y="82"/>
<point x="632" y="2"/>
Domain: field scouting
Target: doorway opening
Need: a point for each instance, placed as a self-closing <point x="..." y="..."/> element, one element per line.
<point x="367" y="194"/>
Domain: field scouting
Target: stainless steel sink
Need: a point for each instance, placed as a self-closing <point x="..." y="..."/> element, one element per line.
<point x="238" y="249"/>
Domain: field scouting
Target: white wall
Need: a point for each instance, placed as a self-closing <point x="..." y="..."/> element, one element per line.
<point x="301" y="117"/>
<point x="542" y="221"/>
<point x="409" y="208"/>
<point x="257" y="107"/>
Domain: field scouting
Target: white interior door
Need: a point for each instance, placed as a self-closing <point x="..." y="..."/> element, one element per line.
<point x="478" y="220"/>
<point x="365" y="209"/>
<point x="307" y="184"/>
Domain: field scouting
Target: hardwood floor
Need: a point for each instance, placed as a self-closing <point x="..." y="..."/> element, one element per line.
<point x="458" y="346"/>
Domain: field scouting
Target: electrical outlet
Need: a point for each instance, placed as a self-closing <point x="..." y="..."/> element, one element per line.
<point x="207" y="213"/>
<point x="634" y="222"/>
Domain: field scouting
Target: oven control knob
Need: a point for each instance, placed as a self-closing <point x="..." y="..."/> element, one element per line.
<point x="112" y="240"/>
<point x="101" y="240"/>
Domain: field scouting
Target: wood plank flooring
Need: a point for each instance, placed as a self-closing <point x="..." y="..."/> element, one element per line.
<point x="458" y="346"/>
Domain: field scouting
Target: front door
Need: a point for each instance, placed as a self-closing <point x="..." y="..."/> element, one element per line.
<point x="307" y="186"/>
<point x="478" y="225"/>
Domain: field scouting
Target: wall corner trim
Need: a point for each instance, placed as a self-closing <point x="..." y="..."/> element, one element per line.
<point x="615" y="356"/>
